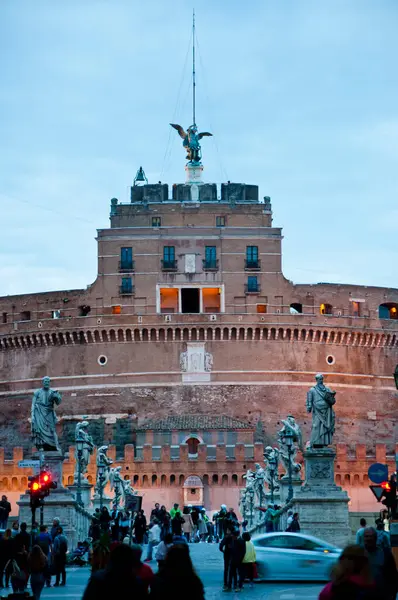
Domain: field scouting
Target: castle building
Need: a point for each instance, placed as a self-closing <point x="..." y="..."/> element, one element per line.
<point x="190" y="316"/>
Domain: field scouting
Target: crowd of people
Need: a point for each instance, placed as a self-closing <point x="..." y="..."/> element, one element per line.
<point x="35" y="556"/>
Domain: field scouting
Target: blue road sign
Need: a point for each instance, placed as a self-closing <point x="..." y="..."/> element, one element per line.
<point x="378" y="473"/>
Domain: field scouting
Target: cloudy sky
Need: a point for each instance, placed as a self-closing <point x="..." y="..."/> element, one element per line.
<point x="302" y="98"/>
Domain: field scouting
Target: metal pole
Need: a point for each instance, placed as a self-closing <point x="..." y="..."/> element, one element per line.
<point x="193" y="70"/>
<point x="33" y="523"/>
<point x="272" y="486"/>
<point x="42" y="513"/>
<point x="79" y="477"/>
<point x="290" y="492"/>
<point x="101" y="478"/>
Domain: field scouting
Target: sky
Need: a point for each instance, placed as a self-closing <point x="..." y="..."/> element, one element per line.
<point x="301" y="96"/>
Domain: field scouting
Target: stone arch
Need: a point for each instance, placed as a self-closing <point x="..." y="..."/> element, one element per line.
<point x="347" y="479"/>
<point x="145" y="481"/>
<point x="24" y="483"/>
<point x="356" y="479"/>
<point x="169" y="334"/>
<point x="120" y="335"/>
<point x="257" y="333"/>
<point x="185" y="334"/>
<point x="273" y="333"/>
<point x="249" y="333"/>
<point x="224" y="479"/>
<point x="194" y="334"/>
<point x="129" y="337"/>
<point x="70" y="480"/>
<point x="97" y="338"/>
<point x="225" y="333"/>
<point x="318" y="336"/>
<point x="136" y="479"/>
<point x="4" y="484"/>
<point x="205" y="479"/>
<point x="265" y="333"/>
<point x="145" y="335"/>
<point x="172" y="479"/>
<point x="162" y="336"/>
<point x="154" y="480"/>
<point x="136" y="335"/>
<point x="163" y="481"/>
<point x="214" y="479"/>
<point x="181" y="480"/>
<point x="14" y="484"/>
<point x="104" y="336"/>
<point x="201" y="334"/>
<point x="234" y="479"/>
<point x="241" y="333"/>
<point x="90" y="337"/>
<point x="338" y="479"/>
<point x="217" y="333"/>
<point x="210" y="334"/>
<point x="112" y="335"/>
<point x="152" y="335"/>
<point x="324" y="336"/>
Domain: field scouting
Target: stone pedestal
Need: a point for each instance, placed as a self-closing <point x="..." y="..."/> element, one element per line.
<point x="61" y="502"/>
<point x="193" y="173"/>
<point x="284" y="489"/>
<point x="105" y="501"/>
<point x="321" y="504"/>
<point x="85" y="492"/>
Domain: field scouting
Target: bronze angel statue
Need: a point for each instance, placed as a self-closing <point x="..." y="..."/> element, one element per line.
<point x="191" y="141"/>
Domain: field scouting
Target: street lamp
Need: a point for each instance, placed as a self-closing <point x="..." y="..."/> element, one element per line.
<point x="101" y="478"/>
<point x="287" y="440"/>
<point x="79" y="448"/>
<point x="273" y="465"/>
<point x="396" y="377"/>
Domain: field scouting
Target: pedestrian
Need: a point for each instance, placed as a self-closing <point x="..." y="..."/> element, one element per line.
<point x="153" y="539"/>
<point x="294" y="526"/>
<point x="351" y="577"/>
<point x="139" y="527"/>
<point x="289" y="519"/>
<point x="60" y="551"/>
<point x="45" y="542"/>
<point x="164" y="521"/>
<point x="175" y="510"/>
<point x="162" y="548"/>
<point x="5" y="510"/>
<point x="382" y="566"/>
<point x="155" y="512"/>
<point x="210" y="531"/>
<point x="221" y="515"/>
<point x="177" y="579"/>
<point x="37" y="563"/>
<point x="6" y="554"/>
<point x="383" y="537"/>
<point x="226" y="547"/>
<point x="118" y="579"/>
<point x="238" y="551"/>
<point x="105" y="518"/>
<point x="124" y="524"/>
<point x="20" y="570"/>
<point x="187" y="526"/>
<point x="249" y="560"/>
<point x="230" y="520"/>
<point x="15" y="529"/>
<point x="54" y="528"/>
<point x="360" y="532"/>
<point x="94" y="531"/>
<point x="22" y="539"/>
<point x="176" y="523"/>
<point x="140" y="569"/>
<point x="202" y="525"/>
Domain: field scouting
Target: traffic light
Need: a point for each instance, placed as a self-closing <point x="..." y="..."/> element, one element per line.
<point x="39" y="487"/>
<point x="390" y="495"/>
<point x="46" y="483"/>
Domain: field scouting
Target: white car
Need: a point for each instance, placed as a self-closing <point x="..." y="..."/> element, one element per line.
<point x="295" y="556"/>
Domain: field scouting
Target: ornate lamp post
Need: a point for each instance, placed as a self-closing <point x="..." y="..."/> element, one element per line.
<point x="273" y="465"/>
<point x="79" y="448"/>
<point x="101" y="479"/>
<point x="288" y="440"/>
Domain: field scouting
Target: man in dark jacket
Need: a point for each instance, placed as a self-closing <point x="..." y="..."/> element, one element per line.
<point x="238" y="551"/>
<point x="382" y="566"/>
<point x="226" y="547"/>
<point x="22" y="539"/>
<point x="118" y="579"/>
<point x="5" y="509"/>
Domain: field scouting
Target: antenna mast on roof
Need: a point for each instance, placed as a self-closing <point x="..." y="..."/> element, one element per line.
<point x="193" y="71"/>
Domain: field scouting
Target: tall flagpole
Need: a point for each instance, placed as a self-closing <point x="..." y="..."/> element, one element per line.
<point x="193" y="70"/>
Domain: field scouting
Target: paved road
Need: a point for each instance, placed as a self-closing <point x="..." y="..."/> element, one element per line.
<point x="208" y="563"/>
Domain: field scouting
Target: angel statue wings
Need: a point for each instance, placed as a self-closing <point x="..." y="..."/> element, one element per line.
<point x="191" y="139"/>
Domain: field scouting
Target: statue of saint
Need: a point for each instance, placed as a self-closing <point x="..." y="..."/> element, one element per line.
<point x="104" y="462"/>
<point x="290" y="457"/>
<point x="191" y="144"/>
<point x="117" y="486"/>
<point x="82" y="435"/>
<point x="259" y="479"/>
<point x="271" y="458"/>
<point x="43" y="416"/>
<point x="320" y="401"/>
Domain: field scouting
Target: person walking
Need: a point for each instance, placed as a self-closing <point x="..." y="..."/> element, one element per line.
<point x="54" y="528"/>
<point x="60" y="551"/>
<point x="176" y="523"/>
<point x="140" y="569"/>
<point x="162" y="549"/>
<point x="37" y="564"/>
<point x="177" y="579"/>
<point x="238" y="551"/>
<point x="20" y="570"/>
<point x="45" y="542"/>
<point x="104" y="519"/>
<point x="118" y="579"/>
<point x="5" y="510"/>
<point x="155" y="513"/>
<point x="294" y="526"/>
<point x="153" y="539"/>
<point x="6" y="555"/>
<point x="175" y="511"/>
<point x="351" y="577"/>
<point x="382" y="566"/>
<point x="164" y="521"/>
<point x="187" y="526"/>
<point x="124" y="524"/>
<point x="360" y="532"/>
<point x="226" y="547"/>
<point x="383" y="537"/>
<point x="139" y="527"/>
<point x="249" y="560"/>
<point x="22" y="539"/>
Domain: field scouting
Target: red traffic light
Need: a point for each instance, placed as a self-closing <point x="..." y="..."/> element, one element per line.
<point x="386" y="486"/>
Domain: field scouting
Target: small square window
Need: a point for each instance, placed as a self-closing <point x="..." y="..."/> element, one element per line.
<point x="25" y="315"/>
<point x="116" y="310"/>
<point x="220" y="221"/>
<point x="56" y="314"/>
<point x="261" y="308"/>
<point x="156" y="221"/>
<point x="4" y="317"/>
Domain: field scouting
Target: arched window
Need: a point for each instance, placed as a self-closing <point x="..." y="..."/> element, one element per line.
<point x="193" y="444"/>
<point x="215" y="479"/>
<point x="296" y="308"/>
<point x="388" y="310"/>
<point x="326" y="309"/>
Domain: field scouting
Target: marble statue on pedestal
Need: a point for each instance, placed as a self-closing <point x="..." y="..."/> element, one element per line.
<point x="259" y="479"/>
<point x="271" y="458"/>
<point x="105" y="462"/>
<point x="81" y="435"/>
<point x="117" y="484"/>
<point x="43" y="417"/>
<point x="247" y="496"/>
<point x="320" y="401"/>
<point x="290" y="457"/>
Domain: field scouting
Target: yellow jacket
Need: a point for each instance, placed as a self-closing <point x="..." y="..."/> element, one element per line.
<point x="250" y="556"/>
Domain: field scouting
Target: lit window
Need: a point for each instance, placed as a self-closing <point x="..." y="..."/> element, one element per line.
<point x="116" y="310"/>
<point x="261" y="308"/>
<point x="156" y="221"/>
<point x="356" y="309"/>
<point x="220" y="221"/>
<point x="326" y="309"/>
